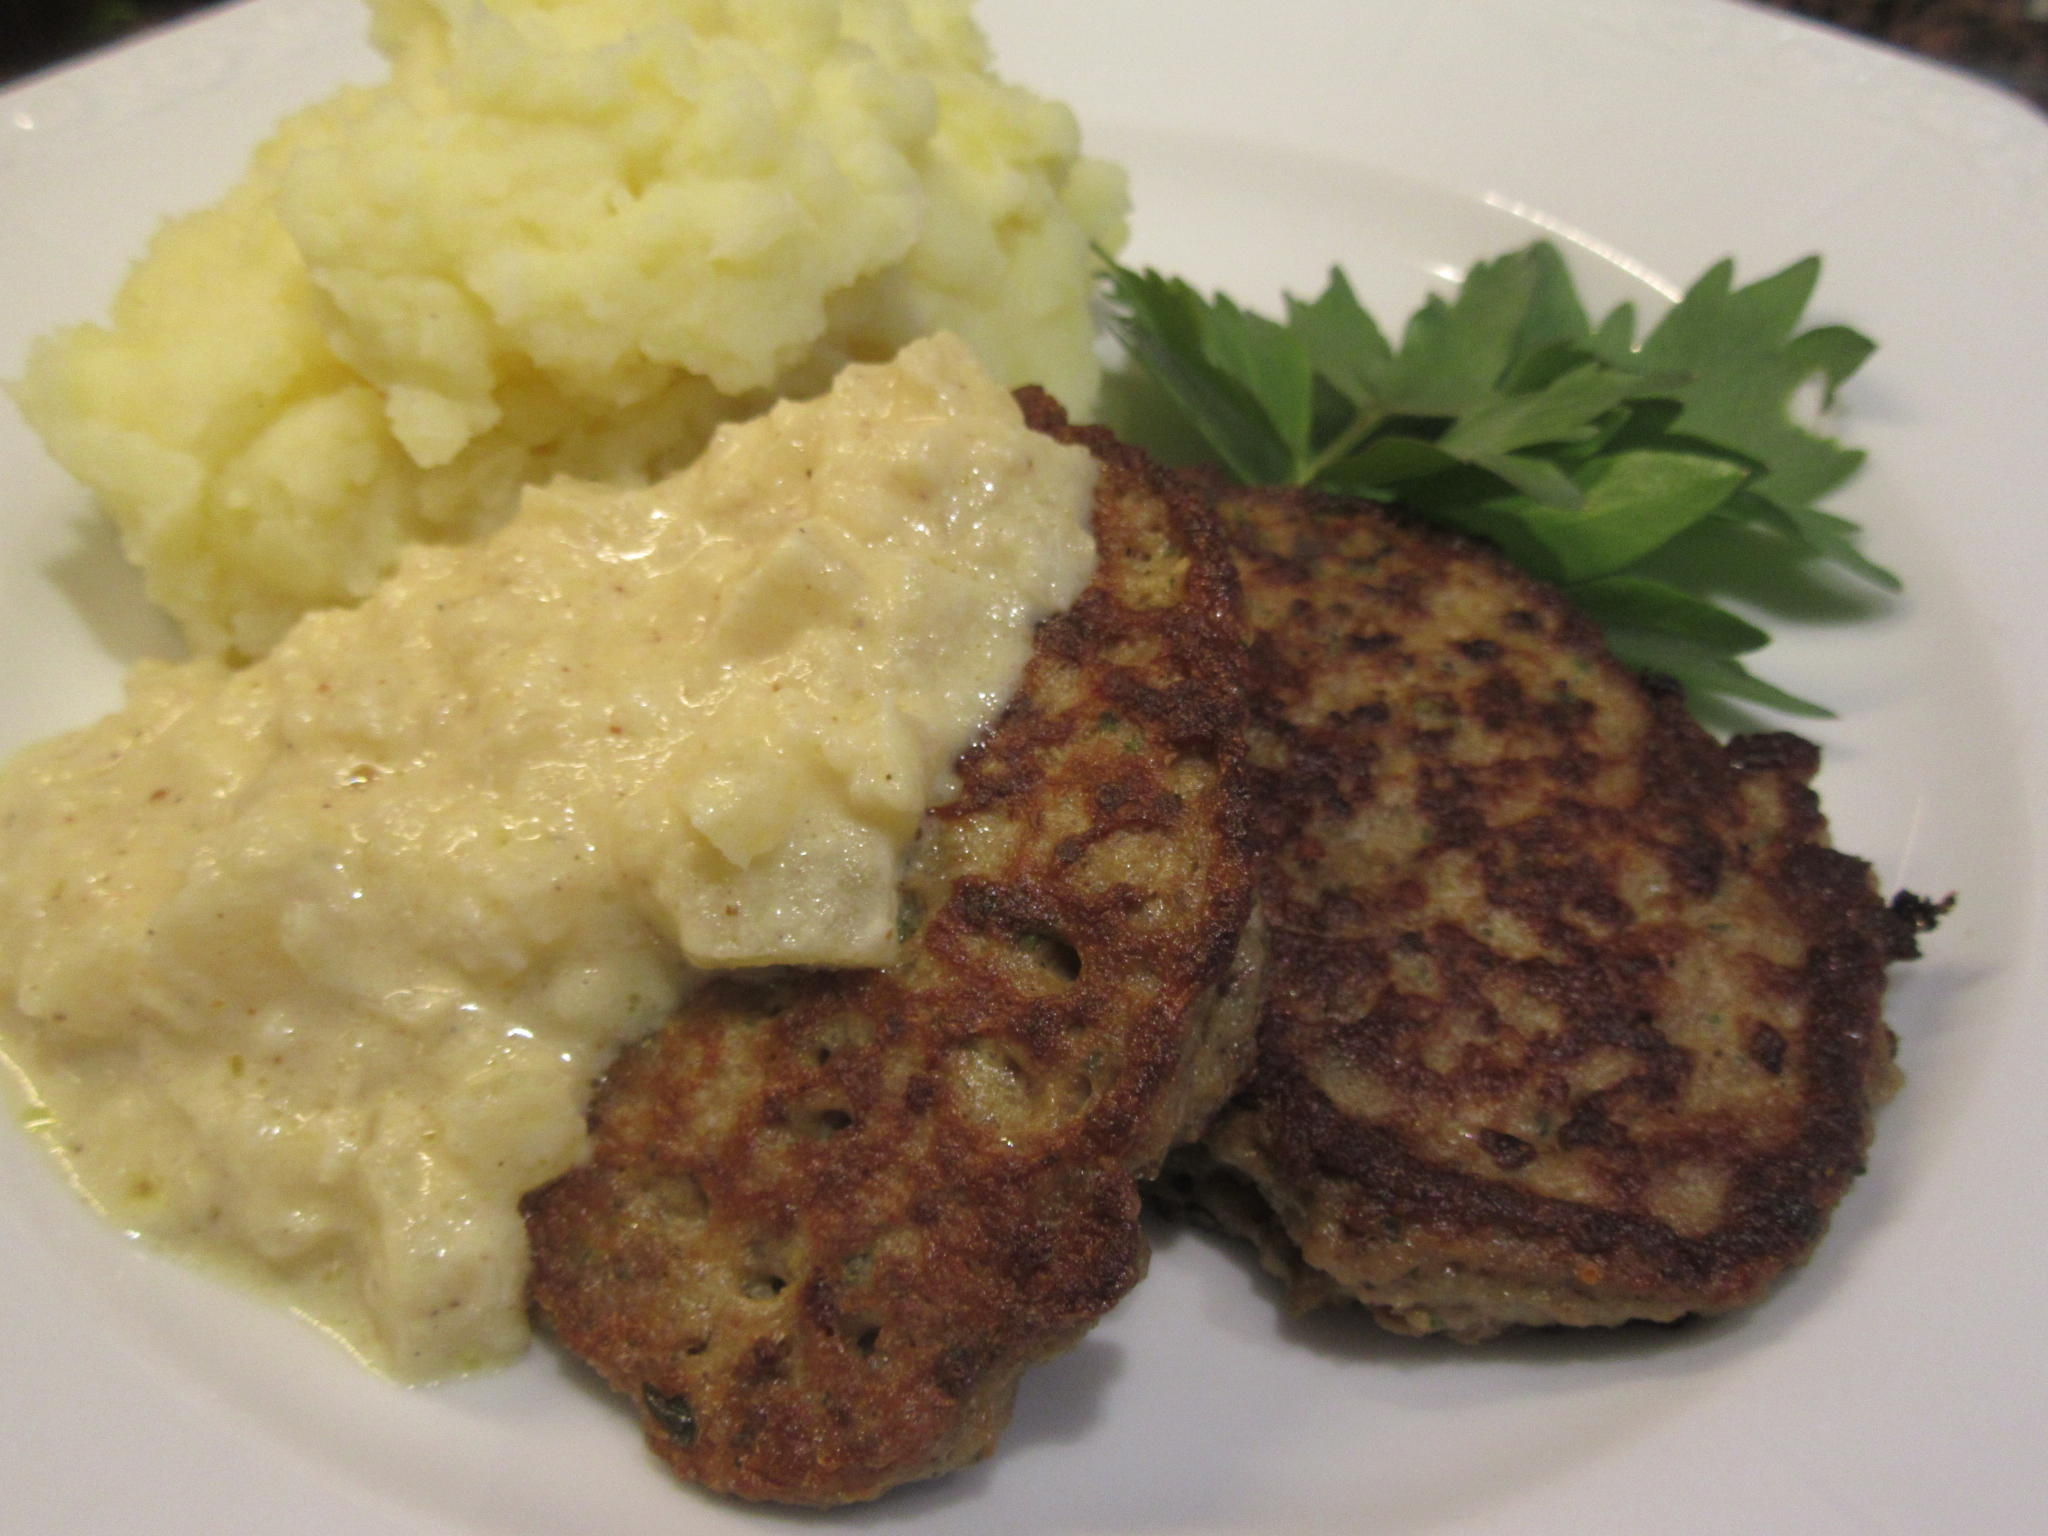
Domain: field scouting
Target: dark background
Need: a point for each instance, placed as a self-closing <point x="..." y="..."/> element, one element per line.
<point x="38" y="33"/>
<point x="2005" y="40"/>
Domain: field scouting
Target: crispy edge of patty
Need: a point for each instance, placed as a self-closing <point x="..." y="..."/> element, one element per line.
<point x="1473" y="1185"/>
<point x="830" y="1217"/>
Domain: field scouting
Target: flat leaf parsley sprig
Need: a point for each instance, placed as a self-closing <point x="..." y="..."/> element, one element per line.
<point x="1505" y="412"/>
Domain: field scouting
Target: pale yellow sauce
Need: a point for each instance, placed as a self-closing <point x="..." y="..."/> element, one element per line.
<point x="313" y="962"/>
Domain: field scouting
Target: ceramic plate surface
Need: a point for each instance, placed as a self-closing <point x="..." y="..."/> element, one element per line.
<point x="1899" y="1383"/>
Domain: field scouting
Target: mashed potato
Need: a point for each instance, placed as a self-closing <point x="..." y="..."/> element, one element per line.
<point x="567" y="236"/>
<point x="313" y="962"/>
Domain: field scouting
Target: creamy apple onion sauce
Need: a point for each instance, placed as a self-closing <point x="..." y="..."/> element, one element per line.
<point x="309" y="966"/>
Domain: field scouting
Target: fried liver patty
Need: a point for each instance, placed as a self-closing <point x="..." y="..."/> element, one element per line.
<point x="1572" y="1016"/>
<point x="831" y="1217"/>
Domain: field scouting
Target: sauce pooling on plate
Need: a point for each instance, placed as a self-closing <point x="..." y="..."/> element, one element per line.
<point x="313" y="962"/>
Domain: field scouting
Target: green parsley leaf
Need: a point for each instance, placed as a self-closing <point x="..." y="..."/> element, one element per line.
<point x="1706" y="672"/>
<point x="1508" y="413"/>
<point x="1344" y="342"/>
<point x="1272" y="362"/>
<point x="1165" y="330"/>
<point x="1640" y="602"/>
<point x="1741" y="364"/>
<point x="1630" y="505"/>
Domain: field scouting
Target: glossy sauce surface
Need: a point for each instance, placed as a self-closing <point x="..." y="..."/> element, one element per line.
<point x="312" y="963"/>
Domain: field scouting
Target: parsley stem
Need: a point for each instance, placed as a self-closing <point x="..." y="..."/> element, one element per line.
<point x="1340" y="447"/>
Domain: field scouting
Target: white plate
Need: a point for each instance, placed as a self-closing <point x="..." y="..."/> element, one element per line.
<point x="1898" y="1384"/>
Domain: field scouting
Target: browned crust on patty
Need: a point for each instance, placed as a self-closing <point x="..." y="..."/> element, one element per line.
<point x="829" y="1219"/>
<point x="1572" y="1014"/>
